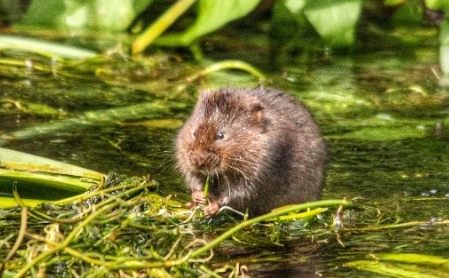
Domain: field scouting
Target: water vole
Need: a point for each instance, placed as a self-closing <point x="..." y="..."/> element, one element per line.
<point x="260" y="148"/>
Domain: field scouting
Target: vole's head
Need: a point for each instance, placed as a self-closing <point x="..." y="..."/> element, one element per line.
<point x="223" y="134"/>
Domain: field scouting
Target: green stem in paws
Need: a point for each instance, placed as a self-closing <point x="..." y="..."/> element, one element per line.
<point x="206" y="187"/>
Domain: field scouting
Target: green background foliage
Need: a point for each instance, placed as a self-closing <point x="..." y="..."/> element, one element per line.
<point x="292" y="22"/>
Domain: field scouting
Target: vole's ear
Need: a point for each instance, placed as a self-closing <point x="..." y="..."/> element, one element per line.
<point x="255" y="106"/>
<point x="256" y="111"/>
<point x="206" y="103"/>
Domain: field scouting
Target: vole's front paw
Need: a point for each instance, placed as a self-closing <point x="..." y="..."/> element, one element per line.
<point x="212" y="209"/>
<point x="198" y="197"/>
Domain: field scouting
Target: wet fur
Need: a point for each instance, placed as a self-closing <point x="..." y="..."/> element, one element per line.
<point x="272" y="153"/>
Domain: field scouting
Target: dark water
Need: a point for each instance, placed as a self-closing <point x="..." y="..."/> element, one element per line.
<point x="384" y="119"/>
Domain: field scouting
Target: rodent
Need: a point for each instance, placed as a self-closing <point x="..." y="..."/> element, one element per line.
<point x="260" y="148"/>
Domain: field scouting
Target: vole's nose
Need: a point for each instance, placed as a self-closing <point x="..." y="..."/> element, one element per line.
<point x="204" y="160"/>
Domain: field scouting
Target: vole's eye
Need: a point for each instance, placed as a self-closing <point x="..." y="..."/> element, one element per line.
<point x="194" y="133"/>
<point x="220" y="135"/>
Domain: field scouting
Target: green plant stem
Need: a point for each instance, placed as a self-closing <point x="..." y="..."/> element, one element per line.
<point x="138" y="264"/>
<point x="302" y="215"/>
<point x="210" y="272"/>
<point x="80" y="198"/>
<point x="69" y="251"/>
<point x="249" y="222"/>
<point x="195" y="48"/>
<point x="33" y="51"/>
<point x="22" y="63"/>
<point x="83" y="197"/>
<point x="105" y="206"/>
<point x="206" y="187"/>
<point x="66" y="242"/>
<point x="113" y="263"/>
<point x="161" y="24"/>
<point x="229" y="64"/>
<point x="399" y="225"/>
<point x="19" y="240"/>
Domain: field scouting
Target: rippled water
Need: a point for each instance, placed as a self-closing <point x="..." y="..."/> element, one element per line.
<point x="384" y="118"/>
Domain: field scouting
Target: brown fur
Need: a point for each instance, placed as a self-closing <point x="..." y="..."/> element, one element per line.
<point x="259" y="146"/>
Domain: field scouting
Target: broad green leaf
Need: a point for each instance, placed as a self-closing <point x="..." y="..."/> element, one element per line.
<point x="442" y="5"/>
<point x="295" y="6"/>
<point x="335" y="20"/>
<point x="41" y="179"/>
<point x="409" y="13"/>
<point x="45" y="13"/>
<point x="289" y="26"/>
<point x="110" y="15"/>
<point x="212" y="15"/>
<point x="285" y="13"/>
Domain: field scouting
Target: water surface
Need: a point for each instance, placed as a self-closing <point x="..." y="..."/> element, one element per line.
<point x="382" y="113"/>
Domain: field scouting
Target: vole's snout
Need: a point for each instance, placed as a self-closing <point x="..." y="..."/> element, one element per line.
<point x="204" y="160"/>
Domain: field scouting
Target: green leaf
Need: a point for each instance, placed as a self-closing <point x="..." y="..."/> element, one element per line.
<point x="295" y="6"/>
<point x="415" y="259"/>
<point x="397" y="270"/>
<point x="409" y="13"/>
<point x="289" y="26"/>
<point x="6" y="202"/>
<point x="442" y="5"/>
<point x="45" y="48"/>
<point x="110" y="15"/>
<point x="288" y="13"/>
<point x="404" y="265"/>
<point x="45" y="13"/>
<point x="41" y="179"/>
<point x="335" y="20"/>
<point x="212" y="15"/>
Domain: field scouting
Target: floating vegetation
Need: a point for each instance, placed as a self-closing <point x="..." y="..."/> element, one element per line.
<point x="122" y="227"/>
<point x="404" y="265"/>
